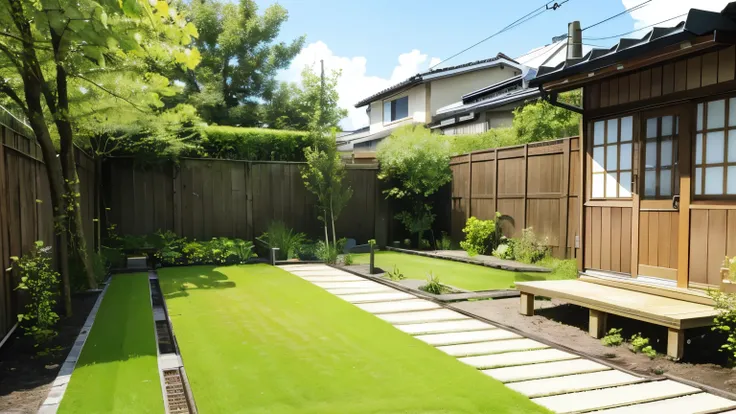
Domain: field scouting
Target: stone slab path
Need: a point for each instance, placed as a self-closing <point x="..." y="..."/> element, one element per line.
<point x="560" y="381"/>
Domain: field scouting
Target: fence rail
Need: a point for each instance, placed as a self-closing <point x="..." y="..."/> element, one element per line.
<point x="535" y="184"/>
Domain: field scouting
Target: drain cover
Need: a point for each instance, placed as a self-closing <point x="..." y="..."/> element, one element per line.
<point x="176" y="394"/>
<point x="165" y="340"/>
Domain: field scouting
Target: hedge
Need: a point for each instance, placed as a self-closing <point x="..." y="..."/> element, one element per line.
<point x="255" y="144"/>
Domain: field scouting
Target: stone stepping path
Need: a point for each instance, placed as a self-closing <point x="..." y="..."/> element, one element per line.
<point x="560" y="381"/>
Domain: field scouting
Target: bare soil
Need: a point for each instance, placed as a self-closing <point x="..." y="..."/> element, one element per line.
<point x="567" y="325"/>
<point x="25" y="377"/>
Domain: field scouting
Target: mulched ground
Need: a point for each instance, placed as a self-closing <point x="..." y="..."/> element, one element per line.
<point x="25" y="378"/>
<point x="567" y="325"/>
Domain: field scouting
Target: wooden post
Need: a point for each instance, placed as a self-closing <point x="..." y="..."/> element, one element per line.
<point x="675" y="343"/>
<point x="470" y="185"/>
<point x="597" y="323"/>
<point x="381" y="220"/>
<point x="526" y="177"/>
<point x="683" y="238"/>
<point x="249" y="231"/>
<point x="371" y="265"/>
<point x="565" y="199"/>
<point x="582" y="191"/>
<point x="176" y="195"/>
<point x="526" y="304"/>
<point x="495" y="181"/>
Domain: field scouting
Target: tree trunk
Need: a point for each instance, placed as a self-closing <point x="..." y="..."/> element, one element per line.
<point x="327" y="238"/>
<point x="332" y="219"/>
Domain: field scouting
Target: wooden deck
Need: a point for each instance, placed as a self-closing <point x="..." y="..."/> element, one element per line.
<point x="675" y="314"/>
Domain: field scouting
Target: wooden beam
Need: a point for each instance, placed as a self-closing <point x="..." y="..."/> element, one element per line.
<point x="526" y="185"/>
<point x="597" y="323"/>
<point x="683" y="235"/>
<point x="526" y="304"/>
<point x="635" y="198"/>
<point x="675" y="343"/>
<point x="565" y="209"/>
<point x="583" y="184"/>
<point x="470" y="185"/>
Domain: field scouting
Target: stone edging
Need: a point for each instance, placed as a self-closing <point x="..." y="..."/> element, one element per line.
<point x="58" y="387"/>
<point x="521" y="268"/>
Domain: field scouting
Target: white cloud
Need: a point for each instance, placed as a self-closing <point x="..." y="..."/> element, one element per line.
<point x="659" y="10"/>
<point x="434" y="61"/>
<point x="354" y="83"/>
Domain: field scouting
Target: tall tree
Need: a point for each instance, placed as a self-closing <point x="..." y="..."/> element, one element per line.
<point x="49" y="48"/>
<point x="240" y="58"/>
<point x="293" y="105"/>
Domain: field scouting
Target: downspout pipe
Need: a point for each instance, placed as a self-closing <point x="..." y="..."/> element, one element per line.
<point x="552" y="99"/>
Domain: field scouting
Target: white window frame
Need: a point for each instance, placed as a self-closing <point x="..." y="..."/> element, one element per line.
<point x="611" y="180"/>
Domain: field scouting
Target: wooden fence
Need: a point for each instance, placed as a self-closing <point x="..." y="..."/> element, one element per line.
<point x="204" y="198"/>
<point x="536" y="184"/>
<point x="25" y="206"/>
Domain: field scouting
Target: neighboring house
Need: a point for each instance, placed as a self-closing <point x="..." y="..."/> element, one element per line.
<point x="418" y="99"/>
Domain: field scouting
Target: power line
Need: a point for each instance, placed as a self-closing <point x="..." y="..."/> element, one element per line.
<point x="634" y="31"/>
<point x="629" y="10"/>
<point x="521" y="20"/>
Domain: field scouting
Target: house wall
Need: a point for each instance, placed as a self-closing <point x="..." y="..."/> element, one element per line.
<point x="417" y="110"/>
<point x="451" y="89"/>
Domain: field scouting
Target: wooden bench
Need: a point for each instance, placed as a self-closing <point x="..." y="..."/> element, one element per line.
<point x="675" y="314"/>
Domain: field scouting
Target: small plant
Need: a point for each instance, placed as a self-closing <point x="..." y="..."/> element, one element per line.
<point x="395" y="274"/>
<point x="433" y="285"/>
<point x="407" y="243"/>
<point x="529" y="248"/>
<point x="288" y="242"/>
<point x="424" y="244"/>
<point x="730" y="264"/>
<point x="347" y="259"/>
<point x="638" y="343"/>
<point x="372" y="242"/>
<point x="613" y="338"/>
<point x="40" y="281"/>
<point x="444" y="243"/>
<point x="649" y="351"/>
<point x="477" y="236"/>
<point x="194" y="252"/>
<point x="170" y="252"/>
<point x="725" y="321"/>
<point x="325" y="253"/>
<point x="505" y="250"/>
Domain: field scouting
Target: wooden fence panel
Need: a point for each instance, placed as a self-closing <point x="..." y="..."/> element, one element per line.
<point x="537" y="185"/>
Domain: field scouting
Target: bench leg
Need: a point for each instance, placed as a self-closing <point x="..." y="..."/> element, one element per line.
<point x="597" y="323"/>
<point x="526" y="304"/>
<point x="675" y="343"/>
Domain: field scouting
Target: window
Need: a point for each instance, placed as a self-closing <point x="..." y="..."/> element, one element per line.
<point x="612" y="149"/>
<point x="396" y="109"/>
<point x="715" y="148"/>
<point x="661" y="178"/>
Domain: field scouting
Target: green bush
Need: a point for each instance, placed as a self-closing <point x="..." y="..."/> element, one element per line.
<point x="255" y="144"/>
<point x="327" y="254"/>
<point x="505" y="250"/>
<point x="41" y="282"/>
<point x="288" y="242"/>
<point x="477" y="235"/>
<point x="649" y="351"/>
<point x="433" y="285"/>
<point x="444" y="243"/>
<point x="725" y="321"/>
<point x="115" y="258"/>
<point x="638" y="343"/>
<point x="613" y="338"/>
<point x="529" y="248"/>
<point x="171" y="246"/>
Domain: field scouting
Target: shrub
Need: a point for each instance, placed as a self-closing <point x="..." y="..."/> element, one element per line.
<point x="346" y="259"/>
<point x="505" y="250"/>
<point x="407" y="243"/>
<point x="444" y="243"/>
<point x="649" y="351"/>
<point x="255" y="144"/>
<point x="114" y="257"/>
<point x="288" y="242"/>
<point x="638" y="343"/>
<point x="730" y="264"/>
<point x="327" y="254"/>
<point x="613" y="338"/>
<point x="424" y="244"/>
<point x="529" y="248"/>
<point x="725" y="321"/>
<point x="40" y="281"/>
<point x="561" y="269"/>
<point x="395" y="274"/>
<point x="433" y="285"/>
<point x="171" y="248"/>
<point x="194" y="252"/>
<point x="477" y="235"/>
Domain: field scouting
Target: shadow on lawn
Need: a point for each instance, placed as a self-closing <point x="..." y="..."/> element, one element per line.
<point x="529" y="277"/>
<point x="194" y="278"/>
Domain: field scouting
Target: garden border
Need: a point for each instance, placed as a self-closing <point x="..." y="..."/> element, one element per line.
<point x="59" y="385"/>
<point x="523" y="269"/>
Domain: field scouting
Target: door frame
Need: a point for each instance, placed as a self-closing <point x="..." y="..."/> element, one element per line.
<point x="685" y="112"/>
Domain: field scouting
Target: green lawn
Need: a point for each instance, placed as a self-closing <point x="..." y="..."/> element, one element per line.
<point x="461" y="275"/>
<point x="256" y="339"/>
<point x="117" y="371"/>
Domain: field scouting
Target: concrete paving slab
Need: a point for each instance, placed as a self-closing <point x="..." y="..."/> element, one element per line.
<point x="434" y="315"/>
<point x="517" y="358"/>
<point x="492" y="347"/>
<point x="376" y="297"/>
<point x="696" y="403"/>
<point x="353" y="285"/>
<point x="323" y="272"/>
<point x="574" y="383"/>
<point x="398" y="306"/>
<point x="545" y="370"/>
<point x="336" y="278"/>
<point x="467" y="337"/>
<point x="444" y="327"/>
<point x="354" y="291"/>
<point x="615" y="397"/>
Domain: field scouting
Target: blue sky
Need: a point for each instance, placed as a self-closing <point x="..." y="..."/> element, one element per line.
<point x="380" y="42"/>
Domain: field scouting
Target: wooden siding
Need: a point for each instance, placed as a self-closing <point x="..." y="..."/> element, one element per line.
<point x="658" y="232"/>
<point x="537" y="185"/>
<point x="26" y="213"/>
<point x="608" y="238"/>
<point x="211" y="198"/>
<point x="663" y="79"/>
<point x="712" y="237"/>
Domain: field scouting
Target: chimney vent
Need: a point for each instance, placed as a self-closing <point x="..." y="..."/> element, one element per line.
<point x="574" y="41"/>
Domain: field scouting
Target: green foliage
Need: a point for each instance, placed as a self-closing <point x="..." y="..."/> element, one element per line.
<point x="725" y="321"/>
<point x="326" y="253"/>
<point x="40" y="282"/>
<point x="255" y="144"/>
<point x="561" y="269"/>
<point x="194" y="252"/>
<point x="730" y="264"/>
<point x="493" y="138"/>
<point x="170" y="248"/>
<point x="477" y="235"/>
<point x="395" y="274"/>
<point x="433" y="285"/>
<point x="372" y="242"/>
<point x="407" y="243"/>
<point x="288" y="242"/>
<point x="240" y="58"/>
<point x="638" y="343"/>
<point x="444" y="243"/>
<point x="424" y="244"/>
<point x="649" y="351"/>
<point x="173" y="250"/>
<point x="346" y="259"/>
<point x="613" y="338"/>
<point x="530" y="248"/>
<point x="417" y="220"/>
<point x="505" y="250"/>
<point x="294" y="106"/>
<point x="114" y="257"/>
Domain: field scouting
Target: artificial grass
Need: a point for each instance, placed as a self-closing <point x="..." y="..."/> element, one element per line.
<point x="461" y="275"/>
<point x="117" y="371"/>
<point x="256" y="339"/>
